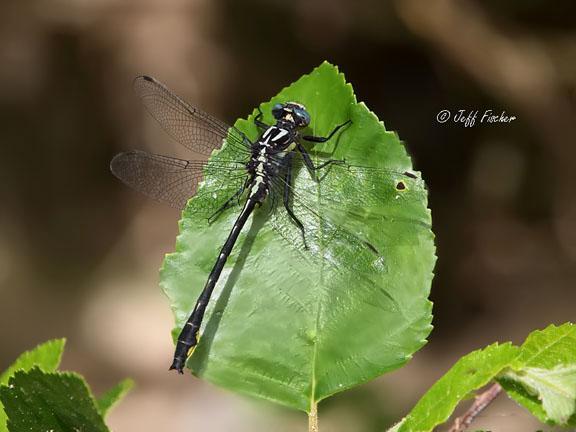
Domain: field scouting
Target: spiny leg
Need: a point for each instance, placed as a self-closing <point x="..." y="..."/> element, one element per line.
<point x="258" y="120"/>
<point x="310" y="165"/>
<point x="287" y="206"/>
<point x="306" y="156"/>
<point x="227" y="204"/>
<point x="317" y="139"/>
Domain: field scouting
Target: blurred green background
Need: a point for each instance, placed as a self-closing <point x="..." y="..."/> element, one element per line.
<point x="79" y="252"/>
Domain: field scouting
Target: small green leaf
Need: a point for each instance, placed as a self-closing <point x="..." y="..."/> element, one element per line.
<point x="554" y="350"/>
<point x="45" y="356"/>
<point x="293" y="327"/>
<point x="540" y="375"/>
<point x="58" y="402"/>
<point x="35" y="399"/>
<point x="555" y="388"/>
<point x="549" y="348"/>
<point x="109" y="399"/>
<point x="470" y="373"/>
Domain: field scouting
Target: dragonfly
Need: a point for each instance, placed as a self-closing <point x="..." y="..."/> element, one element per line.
<point x="262" y="171"/>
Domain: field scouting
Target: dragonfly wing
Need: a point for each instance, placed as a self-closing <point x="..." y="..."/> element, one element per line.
<point x="195" y="129"/>
<point x="169" y="179"/>
<point x="374" y="193"/>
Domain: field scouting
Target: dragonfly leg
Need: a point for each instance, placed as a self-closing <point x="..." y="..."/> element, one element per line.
<point x="288" y="207"/>
<point x="317" y="139"/>
<point x="306" y="156"/>
<point x="227" y="204"/>
<point x="258" y="120"/>
<point x="310" y="165"/>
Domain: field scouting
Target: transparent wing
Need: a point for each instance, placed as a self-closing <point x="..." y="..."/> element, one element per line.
<point x="173" y="180"/>
<point x="336" y="207"/>
<point x="193" y="128"/>
<point x="349" y="225"/>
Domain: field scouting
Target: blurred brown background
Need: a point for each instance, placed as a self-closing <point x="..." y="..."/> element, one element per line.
<point x="79" y="252"/>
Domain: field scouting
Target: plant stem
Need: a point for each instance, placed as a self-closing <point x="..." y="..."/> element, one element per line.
<point x="480" y="403"/>
<point x="313" y="418"/>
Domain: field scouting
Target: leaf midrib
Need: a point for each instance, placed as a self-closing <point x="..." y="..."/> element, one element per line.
<point x="547" y="347"/>
<point x="319" y="297"/>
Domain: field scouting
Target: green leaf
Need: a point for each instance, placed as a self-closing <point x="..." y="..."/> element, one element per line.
<point x="109" y="399"/>
<point x="555" y="388"/>
<point x="295" y="326"/>
<point x="549" y="348"/>
<point x="35" y="399"/>
<point x="41" y="401"/>
<point x="45" y="356"/>
<point x="397" y="426"/>
<point x="542" y="377"/>
<point x="470" y="373"/>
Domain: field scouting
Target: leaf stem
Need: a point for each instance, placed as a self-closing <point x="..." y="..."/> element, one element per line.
<point x="480" y="403"/>
<point x="313" y="418"/>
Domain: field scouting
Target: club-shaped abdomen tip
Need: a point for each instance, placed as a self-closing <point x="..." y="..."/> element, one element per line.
<point x="178" y="365"/>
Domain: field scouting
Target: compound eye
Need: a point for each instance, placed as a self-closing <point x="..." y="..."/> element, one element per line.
<point x="304" y="117"/>
<point x="277" y="110"/>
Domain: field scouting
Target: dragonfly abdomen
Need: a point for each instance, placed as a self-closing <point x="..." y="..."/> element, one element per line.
<point x="188" y="337"/>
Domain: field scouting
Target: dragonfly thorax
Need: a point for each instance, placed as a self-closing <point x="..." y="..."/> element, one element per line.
<point x="277" y="138"/>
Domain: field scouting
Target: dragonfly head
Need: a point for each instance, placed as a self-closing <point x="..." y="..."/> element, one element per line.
<point x="292" y="112"/>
